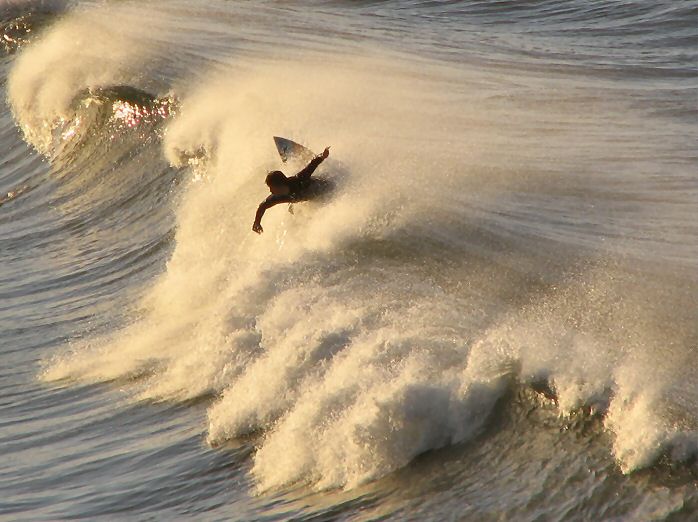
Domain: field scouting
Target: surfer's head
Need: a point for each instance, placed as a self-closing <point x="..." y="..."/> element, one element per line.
<point x="277" y="183"/>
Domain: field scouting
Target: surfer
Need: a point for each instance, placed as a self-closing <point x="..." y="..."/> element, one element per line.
<point x="288" y="190"/>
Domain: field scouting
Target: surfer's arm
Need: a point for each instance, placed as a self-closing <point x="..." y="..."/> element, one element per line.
<point x="262" y="208"/>
<point x="308" y="171"/>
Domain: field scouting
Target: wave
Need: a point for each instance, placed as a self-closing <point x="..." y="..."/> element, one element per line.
<point x="360" y="333"/>
<point x="458" y="258"/>
<point x="106" y="114"/>
<point x="45" y="105"/>
<point x="101" y="126"/>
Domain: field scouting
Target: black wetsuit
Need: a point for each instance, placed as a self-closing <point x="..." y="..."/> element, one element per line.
<point x="299" y="189"/>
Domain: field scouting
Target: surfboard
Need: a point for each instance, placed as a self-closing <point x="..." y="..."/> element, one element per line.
<point x="289" y="149"/>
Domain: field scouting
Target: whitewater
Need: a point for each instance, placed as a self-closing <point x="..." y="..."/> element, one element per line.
<point x="493" y="316"/>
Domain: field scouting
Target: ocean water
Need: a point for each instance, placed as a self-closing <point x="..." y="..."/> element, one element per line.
<point x="494" y="316"/>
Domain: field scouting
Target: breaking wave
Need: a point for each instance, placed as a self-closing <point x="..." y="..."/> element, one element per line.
<point x="360" y="332"/>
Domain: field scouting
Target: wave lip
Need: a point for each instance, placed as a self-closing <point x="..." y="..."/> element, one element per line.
<point x="116" y="108"/>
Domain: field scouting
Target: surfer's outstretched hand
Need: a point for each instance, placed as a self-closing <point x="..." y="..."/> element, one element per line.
<point x="325" y="153"/>
<point x="257" y="227"/>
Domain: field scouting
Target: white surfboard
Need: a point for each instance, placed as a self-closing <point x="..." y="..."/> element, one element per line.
<point x="289" y="149"/>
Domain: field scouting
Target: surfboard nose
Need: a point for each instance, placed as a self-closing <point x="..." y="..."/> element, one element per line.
<point x="290" y="149"/>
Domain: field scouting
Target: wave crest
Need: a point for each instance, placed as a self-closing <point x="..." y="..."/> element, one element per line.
<point x="82" y="54"/>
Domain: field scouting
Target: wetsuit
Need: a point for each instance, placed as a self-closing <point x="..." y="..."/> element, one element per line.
<point x="298" y="189"/>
